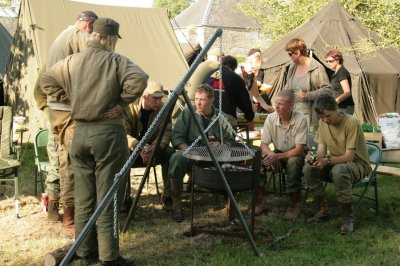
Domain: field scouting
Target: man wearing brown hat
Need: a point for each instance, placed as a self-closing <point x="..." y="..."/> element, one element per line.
<point x="139" y="116"/>
<point x="72" y="40"/>
<point x="99" y="84"/>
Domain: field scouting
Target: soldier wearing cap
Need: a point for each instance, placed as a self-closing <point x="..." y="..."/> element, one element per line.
<point x="72" y="40"/>
<point x="99" y="84"/>
<point x="139" y="116"/>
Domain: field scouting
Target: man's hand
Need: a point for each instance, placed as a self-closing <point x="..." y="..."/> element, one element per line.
<point x="114" y="112"/>
<point x="309" y="159"/>
<point x="270" y="158"/>
<point x="146" y="153"/>
<point x="321" y="163"/>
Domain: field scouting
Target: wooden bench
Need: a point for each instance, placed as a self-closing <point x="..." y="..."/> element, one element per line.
<point x="387" y="170"/>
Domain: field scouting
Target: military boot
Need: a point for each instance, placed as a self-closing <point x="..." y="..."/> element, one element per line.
<point x="347" y="221"/>
<point x="53" y="205"/>
<point x="323" y="211"/>
<point x="293" y="210"/>
<point x="166" y="199"/>
<point x="68" y="228"/>
<point x="261" y="201"/>
<point x="176" y="192"/>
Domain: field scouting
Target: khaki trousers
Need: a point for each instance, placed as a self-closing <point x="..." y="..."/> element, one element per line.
<point x="62" y="127"/>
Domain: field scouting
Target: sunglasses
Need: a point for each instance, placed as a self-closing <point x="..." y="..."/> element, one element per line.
<point x="330" y="61"/>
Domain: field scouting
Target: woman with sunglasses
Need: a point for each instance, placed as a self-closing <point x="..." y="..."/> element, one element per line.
<point x="307" y="78"/>
<point x="340" y="82"/>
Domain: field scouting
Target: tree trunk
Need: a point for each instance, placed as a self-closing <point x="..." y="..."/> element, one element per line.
<point x="55" y="257"/>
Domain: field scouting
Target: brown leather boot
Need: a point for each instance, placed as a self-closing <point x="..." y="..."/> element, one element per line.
<point x="323" y="212"/>
<point x="261" y="201"/>
<point x="293" y="210"/>
<point x="68" y="228"/>
<point x="53" y="204"/>
<point x="347" y="221"/>
<point x="176" y="193"/>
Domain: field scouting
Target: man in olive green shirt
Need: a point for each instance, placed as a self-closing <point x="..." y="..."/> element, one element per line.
<point x="185" y="133"/>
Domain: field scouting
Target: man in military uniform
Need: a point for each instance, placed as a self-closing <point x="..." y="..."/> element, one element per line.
<point x="139" y="116"/>
<point x="99" y="84"/>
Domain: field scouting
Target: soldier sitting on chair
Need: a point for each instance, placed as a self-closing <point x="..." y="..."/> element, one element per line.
<point x="185" y="133"/>
<point x="346" y="162"/>
<point x="286" y="129"/>
<point x="139" y="116"/>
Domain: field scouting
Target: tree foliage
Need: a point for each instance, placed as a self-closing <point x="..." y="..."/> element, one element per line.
<point x="8" y="8"/>
<point x="175" y="7"/>
<point x="279" y="17"/>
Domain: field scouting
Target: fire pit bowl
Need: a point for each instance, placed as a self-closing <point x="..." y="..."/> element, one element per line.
<point x="240" y="176"/>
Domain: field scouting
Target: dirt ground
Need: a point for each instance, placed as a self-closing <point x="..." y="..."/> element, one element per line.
<point x="23" y="238"/>
<point x="29" y="234"/>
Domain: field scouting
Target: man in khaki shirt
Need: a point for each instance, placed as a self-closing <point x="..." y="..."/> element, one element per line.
<point x="286" y="129"/>
<point x="346" y="162"/>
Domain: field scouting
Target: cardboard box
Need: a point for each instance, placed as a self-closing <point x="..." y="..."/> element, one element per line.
<point x="375" y="137"/>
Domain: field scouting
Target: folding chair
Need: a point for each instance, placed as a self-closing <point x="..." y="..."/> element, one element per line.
<point x="41" y="159"/>
<point x="276" y="174"/>
<point x="8" y="165"/>
<point x="153" y="167"/>
<point x="375" y="155"/>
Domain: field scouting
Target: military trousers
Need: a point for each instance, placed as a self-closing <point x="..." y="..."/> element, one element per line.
<point x="98" y="152"/>
<point x="53" y="175"/>
<point x="342" y="175"/>
<point x="179" y="165"/>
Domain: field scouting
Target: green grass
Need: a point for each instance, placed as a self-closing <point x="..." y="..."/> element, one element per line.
<point x="153" y="239"/>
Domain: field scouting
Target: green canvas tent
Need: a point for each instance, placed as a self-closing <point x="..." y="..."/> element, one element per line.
<point x="5" y="44"/>
<point x="147" y="39"/>
<point x="374" y="72"/>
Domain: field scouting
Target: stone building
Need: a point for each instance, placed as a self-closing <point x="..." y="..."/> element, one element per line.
<point x="197" y="24"/>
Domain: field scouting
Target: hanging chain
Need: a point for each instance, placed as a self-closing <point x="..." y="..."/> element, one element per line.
<point x="116" y="220"/>
<point x="220" y="91"/>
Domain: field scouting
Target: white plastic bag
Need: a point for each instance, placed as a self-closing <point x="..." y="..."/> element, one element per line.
<point x="390" y="128"/>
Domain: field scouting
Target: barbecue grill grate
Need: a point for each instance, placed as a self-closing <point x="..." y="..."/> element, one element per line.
<point x="222" y="153"/>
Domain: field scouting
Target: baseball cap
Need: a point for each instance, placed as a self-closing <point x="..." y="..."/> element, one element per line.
<point x="154" y="89"/>
<point x="215" y="51"/>
<point x="106" y="26"/>
<point x="87" y="15"/>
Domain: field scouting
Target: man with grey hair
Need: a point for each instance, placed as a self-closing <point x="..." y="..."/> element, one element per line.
<point x="99" y="84"/>
<point x="286" y="129"/>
